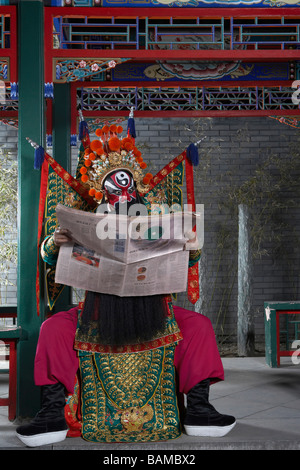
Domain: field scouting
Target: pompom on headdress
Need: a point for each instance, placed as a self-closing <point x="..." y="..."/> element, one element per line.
<point x="109" y="153"/>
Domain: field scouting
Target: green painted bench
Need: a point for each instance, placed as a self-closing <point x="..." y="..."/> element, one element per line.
<point x="280" y="322"/>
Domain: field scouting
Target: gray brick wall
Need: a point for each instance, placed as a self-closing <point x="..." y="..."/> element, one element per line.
<point x="230" y="154"/>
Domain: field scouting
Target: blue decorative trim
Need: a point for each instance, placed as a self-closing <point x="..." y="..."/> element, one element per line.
<point x="73" y="140"/>
<point x="200" y="98"/>
<point x="4" y="71"/>
<point x="49" y="140"/>
<point x="14" y="91"/>
<point x="57" y="72"/>
<point x="197" y="4"/>
<point x="170" y="3"/>
<point x="69" y="70"/>
<point x="48" y="92"/>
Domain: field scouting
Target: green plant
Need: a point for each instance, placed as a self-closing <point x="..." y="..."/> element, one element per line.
<point x="8" y="215"/>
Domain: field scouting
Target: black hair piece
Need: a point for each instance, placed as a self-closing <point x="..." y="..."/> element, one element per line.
<point x="123" y="320"/>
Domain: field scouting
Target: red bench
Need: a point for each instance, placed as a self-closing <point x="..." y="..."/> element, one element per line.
<point x="10" y="336"/>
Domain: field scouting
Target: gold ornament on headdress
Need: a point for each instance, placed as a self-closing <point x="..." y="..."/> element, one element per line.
<point x="112" y="152"/>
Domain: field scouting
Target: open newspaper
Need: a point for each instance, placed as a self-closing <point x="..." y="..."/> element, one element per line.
<point x="123" y="255"/>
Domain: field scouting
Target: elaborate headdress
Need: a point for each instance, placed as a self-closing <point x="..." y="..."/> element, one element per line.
<point x="109" y="153"/>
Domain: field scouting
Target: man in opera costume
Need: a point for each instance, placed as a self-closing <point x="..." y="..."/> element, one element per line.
<point x="112" y="171"/>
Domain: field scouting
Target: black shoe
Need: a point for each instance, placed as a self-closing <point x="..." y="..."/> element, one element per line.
<point x="201" y="418"/>
<point x="49" y="425"/>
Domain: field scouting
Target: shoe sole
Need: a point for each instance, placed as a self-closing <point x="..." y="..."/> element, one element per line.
<point x="208" y="431"/>
<point x="43" y="439"/>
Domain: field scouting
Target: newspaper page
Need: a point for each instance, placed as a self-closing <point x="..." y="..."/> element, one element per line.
<point x="124" y="255"/>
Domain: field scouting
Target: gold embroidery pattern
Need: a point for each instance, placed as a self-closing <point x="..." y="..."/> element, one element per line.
<point x="136" y="405"/>
<point x="168" y="191"/>
<point x="195" y="256"/>
<point x="58" y="191"/>
<point x="130" y="379"/>
<point x="133" y="419"/>
<point x="48" y="248"/>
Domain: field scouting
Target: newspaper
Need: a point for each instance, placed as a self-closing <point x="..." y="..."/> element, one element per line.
<point x="124" y="255"/>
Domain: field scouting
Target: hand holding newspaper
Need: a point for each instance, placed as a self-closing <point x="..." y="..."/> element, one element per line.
<point x="124" y="255"/>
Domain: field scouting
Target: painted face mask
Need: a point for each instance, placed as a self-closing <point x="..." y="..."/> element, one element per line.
<point x="120" y="189"/>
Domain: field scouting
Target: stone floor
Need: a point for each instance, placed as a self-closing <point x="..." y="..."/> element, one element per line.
<point x="265" y="402"/>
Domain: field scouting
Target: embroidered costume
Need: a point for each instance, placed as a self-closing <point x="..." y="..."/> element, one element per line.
<point x="127" y="361"/>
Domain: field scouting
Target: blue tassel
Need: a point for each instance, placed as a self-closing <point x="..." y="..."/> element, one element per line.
<point x="131" y="128"/>
<point x="73" y="140"/>
<point x="192" y="154"/>
<point x="83" y="130"/>
<point x="48" y="93"/>
<point x="49" y="140"/>
<point x="39" y="156"/>
<point x="14" y="91"/>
